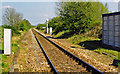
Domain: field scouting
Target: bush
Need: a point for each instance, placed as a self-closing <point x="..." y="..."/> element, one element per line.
<point x="39" y="26"/>
<point x="14" y="30"/>
<point x="78" y="17"/>
<point x="23" y="26"/>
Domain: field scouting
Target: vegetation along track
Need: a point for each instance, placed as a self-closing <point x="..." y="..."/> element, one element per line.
<point x="60" y="59"/>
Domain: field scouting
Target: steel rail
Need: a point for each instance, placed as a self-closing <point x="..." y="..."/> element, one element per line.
<point x="48" y="59"/>
<point x="86" y="65"/>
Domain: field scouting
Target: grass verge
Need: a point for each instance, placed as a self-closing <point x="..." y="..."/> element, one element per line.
<point x="8" y="60"/>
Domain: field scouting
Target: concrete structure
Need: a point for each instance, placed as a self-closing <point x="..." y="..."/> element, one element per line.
<point x="111" y="30"/>
<point x="50" y="30"/>
<point x="47" y="26"/>
<point x="7" y="41"/>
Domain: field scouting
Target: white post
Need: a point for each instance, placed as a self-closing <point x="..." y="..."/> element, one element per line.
<point x="50" y="30"/>
<point x="7" y="41"/>
<point x="47" y="30"/>
<point x="47" y="26"/>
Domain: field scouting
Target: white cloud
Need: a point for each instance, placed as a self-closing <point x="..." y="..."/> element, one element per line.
<point x="7" y="6"/>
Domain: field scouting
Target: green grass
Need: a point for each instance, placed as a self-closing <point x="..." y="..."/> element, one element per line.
<point x="119" y="67"/>
<point x="60" y="33"/>
<point x="5" y="63"/>
<point x="1" y="46"/>
<point x="1" y="40"/>
<point x="6" y="66"/>
<point x="1" y="32"/>
<point x="108" y="51"/>
<point x="76" y="39"/>
<point x="93" y="44"/>
<point x="14" y="48"/>
<point x="14" y="44"/>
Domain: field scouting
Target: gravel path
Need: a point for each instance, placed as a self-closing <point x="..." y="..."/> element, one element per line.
<point x="31" y="58"/>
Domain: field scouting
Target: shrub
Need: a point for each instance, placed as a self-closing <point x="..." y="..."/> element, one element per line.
<point x="14" y="30"/>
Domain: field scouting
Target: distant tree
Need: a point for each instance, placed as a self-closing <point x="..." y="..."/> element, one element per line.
<point x="11" y="17"/>
<point x="13" y="20"/>
<point x="23" y="26"/>
<point x="39" y="26"/>
<point x="28" y="24"/>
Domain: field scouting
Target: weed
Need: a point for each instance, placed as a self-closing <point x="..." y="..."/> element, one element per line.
<point x="14" y="44"/>
<point x="73" y="42"/>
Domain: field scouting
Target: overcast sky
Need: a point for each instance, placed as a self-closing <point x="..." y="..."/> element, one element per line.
<point x="38" y="12"/>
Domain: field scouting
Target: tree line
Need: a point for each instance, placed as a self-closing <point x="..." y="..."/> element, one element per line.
<point x="78" y="17"/>
<point x="14" y="20"/>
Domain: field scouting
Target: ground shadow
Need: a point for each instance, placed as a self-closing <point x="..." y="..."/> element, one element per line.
<point x="49" y="37"/>
<point x="91" y="45"/>
<point x="65" y="35"/>
<point x="1" y="51"/>
<point x="115" y="62"/>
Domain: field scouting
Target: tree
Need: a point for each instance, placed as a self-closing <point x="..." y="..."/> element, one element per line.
<point x="13" y="20"/>
<point x="39" y="26"/>
<point x="11" y="17"/>
<point x="80" y="17"/>
<point x="28" y="24"/>
<point x="23" y="26"/>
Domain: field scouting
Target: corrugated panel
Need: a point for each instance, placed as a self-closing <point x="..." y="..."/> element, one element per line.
<point x="105" y="18"/>
<point x="116" y="17"/>
<point x="117" y="39"/>
<point x="110" y="17"/>
<point x="111" y="43"/>
<point x="105" y="41"/>
<point x="105" y="23"/>
<point x="105" y="33"/>
<point x="117" y="44"/>
<point x="105" y="37"/>
<point x="111" y="22"/>
<point x="116" y="22"/>
<point x="117" y="34"/>
<point x="111" y="33"/>
<point x="111" y="38"/>
<point x="111" y="30"/>
<point x="117" y="28"/>
<point x="111" y="27"/>
<point x="105" y="27"/>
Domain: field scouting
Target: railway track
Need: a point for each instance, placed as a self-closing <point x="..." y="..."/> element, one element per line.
<point x="61" y="60"/>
